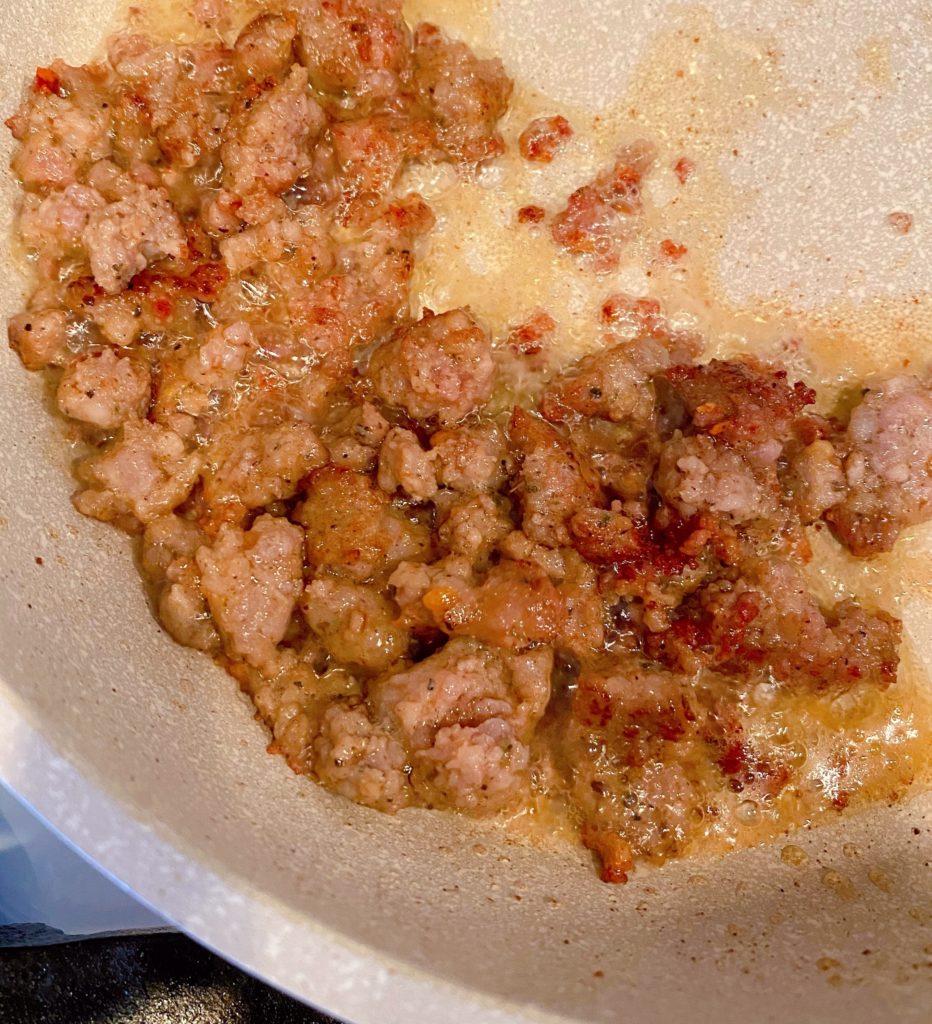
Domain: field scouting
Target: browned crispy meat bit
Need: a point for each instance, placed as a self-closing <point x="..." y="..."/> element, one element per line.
<point x="553" y="483"/>
<point x="543" y="138"/>
<point x="594" y="224"/>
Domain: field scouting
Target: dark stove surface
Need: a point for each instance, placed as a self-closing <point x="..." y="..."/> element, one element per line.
<point x="154" y="979"/>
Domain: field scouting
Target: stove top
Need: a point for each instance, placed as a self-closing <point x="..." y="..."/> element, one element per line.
<point x="154" y="979"/>
<point x="77" y="949"/>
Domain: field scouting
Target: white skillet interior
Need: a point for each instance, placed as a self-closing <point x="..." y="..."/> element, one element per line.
<point x="144" y="756"/>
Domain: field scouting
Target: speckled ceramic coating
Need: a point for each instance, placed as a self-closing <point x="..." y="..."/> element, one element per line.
<point x="144" y="757"/>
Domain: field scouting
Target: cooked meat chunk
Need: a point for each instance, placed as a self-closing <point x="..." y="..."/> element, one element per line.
<point x="465" y="681"/>
<point x="169" y="546"/>
<point x="621" y="457"/>
<point x="354" y="439"/>
<point x="359" y="759"/>
<point x="252" y="467"/>
<point x="614" y="383"/>
<point x="357" y="48"/>
<point x="183" y="611"/>
<point x="290" y="698"/>
<point x="543" y="138"/>
<point x="620" y="185"/>
<point x="61" y="127"/>
<point x="439" y="368"/>
<point x="215" y="364"/>
<point x="768" y="618"/>
<point x="605" y="536"/>
<point x="465" y="96"/>
<point x="367" y="296"/>
<point x="264" y="243"/>
<point x="477" y="768"/>
<point x="120" y="319"/>
<point x="516" y="607"/>
<point x="866" y="647"/>
<point x="742" y="403"/>
<point x="697" y="475"/>
<point x="464" y="714"/>
<point x="471" y="459"/>
<point x="528" y="338"/>
<point x="169" y="101"/>
<point x="589" y="227"/>
<point x="887" y="465"/>
<point x="637" y="316"/>
<point x="592" y="224"/>
<point x="353" y="529"/>
<point x="167" y="539"/>
<point x="412" y="580"/>
<point x="584" y="627"/>
<point x="103" y="388"/>
<point x="472" y="526"/>
<point x="355" y="623"/>
<point x="196" y="380"/>
<point x="125" y="236"/>
<point x="40" y="339"/>
<point x="637" y="814"/>
<point x="531" y="214"/>
<point x="267" y="142"/>
<point x="403" y="464"/>
<point x="636" y="705"/>
<point x="146" y="472"/>
<point x="736" y="427"/>
<point x="817" y="479"/>
<point x="616" y="855"/>
<point x="265" y="47"/>
<point x="608" y="384"/>
<point x="458" y="681"/>
<point x="371" y="151"/>
<point x="252" y="580"/>
<point x="627" y="721"/>
<point x="553" y="484"/>
<point x="53" y="227"/>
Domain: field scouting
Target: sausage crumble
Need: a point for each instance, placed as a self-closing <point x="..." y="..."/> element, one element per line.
<point x="594" y="596"/>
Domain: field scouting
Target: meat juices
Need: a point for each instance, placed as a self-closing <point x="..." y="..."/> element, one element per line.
<point x="592" y="600"/>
